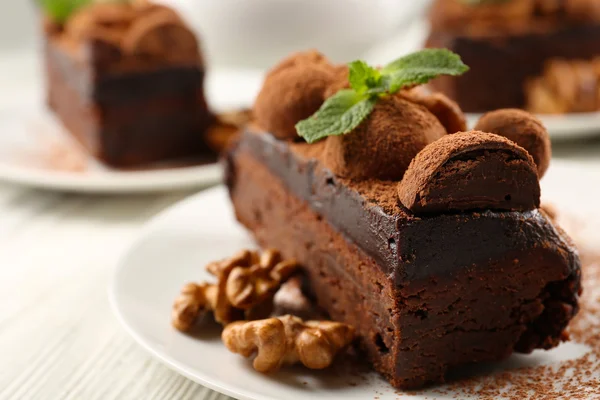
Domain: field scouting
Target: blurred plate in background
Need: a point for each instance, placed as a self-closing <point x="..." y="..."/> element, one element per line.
<point x="35" y="150"/>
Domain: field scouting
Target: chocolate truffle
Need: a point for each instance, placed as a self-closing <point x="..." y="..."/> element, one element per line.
<point x="295" y="59"/>
<point x="384" y="144"/>
<point x="470" y="171"/>
<point x="160" y="34"/>
<point x="522" y="128"/>
<point x="440" y="105"/>
<point x="103" y="21"/>
<point x="294" y="90"/>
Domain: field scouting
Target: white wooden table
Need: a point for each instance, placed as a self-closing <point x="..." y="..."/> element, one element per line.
<point x="58" y="337"/>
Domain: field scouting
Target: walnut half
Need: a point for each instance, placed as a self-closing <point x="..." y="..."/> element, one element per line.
<point x="246" y="284"/>
<point x="287" y="340"/>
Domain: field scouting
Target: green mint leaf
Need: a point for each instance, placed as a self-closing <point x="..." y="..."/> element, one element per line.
<point x="339" y="115"/>
<point x="363" y="77"/>
<point x="60" y="10"/>
<point x="344" y="111"/>
<point x="421" y="67"/>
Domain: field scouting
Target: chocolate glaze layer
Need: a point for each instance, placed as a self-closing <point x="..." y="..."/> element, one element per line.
<point x="406" y="247"/>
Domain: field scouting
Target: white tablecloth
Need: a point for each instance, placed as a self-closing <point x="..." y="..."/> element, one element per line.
<point x="58" y="337"/>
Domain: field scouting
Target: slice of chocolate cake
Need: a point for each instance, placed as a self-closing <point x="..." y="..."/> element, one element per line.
<point x="506" y="43"/>
<point x="127" y="81"/>
<point x="437" y="262"/>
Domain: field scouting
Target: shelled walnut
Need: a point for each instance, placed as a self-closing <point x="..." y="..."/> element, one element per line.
<point x="288" y="340"/>
<point x="246" y="284"/>
<point x="247" y="287"/>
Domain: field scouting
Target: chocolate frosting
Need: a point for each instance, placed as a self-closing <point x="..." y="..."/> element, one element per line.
<point x="470" y="171"/>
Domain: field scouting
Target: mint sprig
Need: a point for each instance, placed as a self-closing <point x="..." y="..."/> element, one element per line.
<point x="60" y="10"/>
<point x="421" y="67"/>
<point x="362" y="77"/>
<point x="337" y="116"/>
<point x="344" y="111"/>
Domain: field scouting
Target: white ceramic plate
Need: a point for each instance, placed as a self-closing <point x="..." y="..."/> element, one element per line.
<point x="568" y="126"/>
<point x="172" y="250"/>
<point x="35" y="150"/>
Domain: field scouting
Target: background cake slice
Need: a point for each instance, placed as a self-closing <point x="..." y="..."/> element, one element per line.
<point x="127" y="80"/>
<point x="507" y="43"/>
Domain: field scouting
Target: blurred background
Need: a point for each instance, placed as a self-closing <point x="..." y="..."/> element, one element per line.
<point x="17" y="25"/>
<point x="237" y="32"/>
<point x="258" y="33"/>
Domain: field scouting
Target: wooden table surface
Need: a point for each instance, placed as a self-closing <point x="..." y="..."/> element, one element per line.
<point x="58" y="337"/>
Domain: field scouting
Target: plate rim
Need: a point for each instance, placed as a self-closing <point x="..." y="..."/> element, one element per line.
<point x="151" y="181"/>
